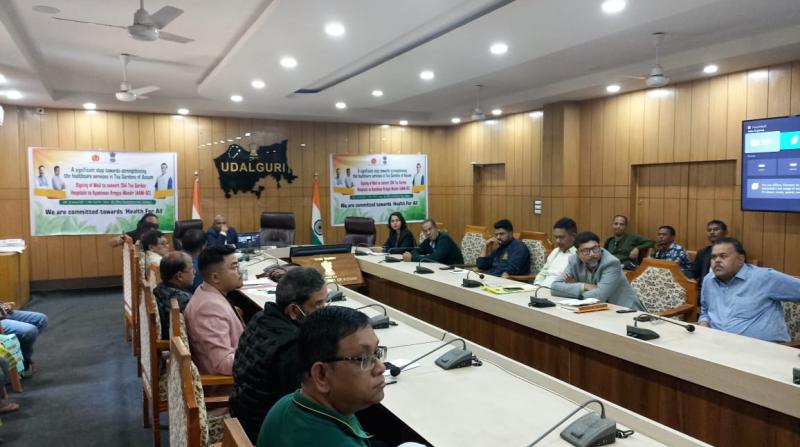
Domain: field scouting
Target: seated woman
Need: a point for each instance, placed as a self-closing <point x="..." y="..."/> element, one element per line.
<point x="399" y="235"/>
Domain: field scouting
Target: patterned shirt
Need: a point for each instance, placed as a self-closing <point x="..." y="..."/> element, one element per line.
<point x="674" y="253"/>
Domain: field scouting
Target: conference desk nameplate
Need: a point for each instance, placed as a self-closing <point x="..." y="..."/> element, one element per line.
<point x="706" y="368"/>
<point x="342" y="268"/>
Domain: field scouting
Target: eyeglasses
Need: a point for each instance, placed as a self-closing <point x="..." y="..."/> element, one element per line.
<point x="367" y="361"/>
<point x="593" y="250"/>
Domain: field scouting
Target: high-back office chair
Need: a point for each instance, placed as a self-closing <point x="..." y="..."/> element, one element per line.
<point x="472" y="242"/>
<point x="181" y="227"/>
<point x="359" y="231"/>
<point x="664" y="289"/>
<point x="277" y="228"/>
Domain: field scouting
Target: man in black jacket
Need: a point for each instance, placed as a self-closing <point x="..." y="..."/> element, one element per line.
<point x="265" y="366"/>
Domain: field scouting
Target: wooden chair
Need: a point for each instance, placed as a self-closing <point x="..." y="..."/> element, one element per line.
<point x="234" y="435"/>
<point x="154" y="390"/>
<point x="537" y="236"/>
<point x="189" y="422"/>
<point x="136" y="293"/>
<point x="791" y="312"/>
<point x="471" y="243"/>
<point x="664" y="290"/>
<point x="127" y="290"/>
<point x="537" y="244"/>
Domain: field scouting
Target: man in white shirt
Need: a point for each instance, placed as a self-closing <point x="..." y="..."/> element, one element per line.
<point x="564" y="231"/>
<point x="57" y="181"/>
<point x="164" y="181"/>
<point x="41" y="180"/>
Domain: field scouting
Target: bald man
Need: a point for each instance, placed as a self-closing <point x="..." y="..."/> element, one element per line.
<point x="220" y="233"/>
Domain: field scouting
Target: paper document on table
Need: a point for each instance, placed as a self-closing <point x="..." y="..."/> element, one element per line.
<point x="258" y="283"/>
<point x="577" y="302"/>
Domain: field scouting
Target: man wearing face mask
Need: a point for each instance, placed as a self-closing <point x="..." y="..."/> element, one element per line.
<point x="265" y="366"/>
<point x="593" y="272"/>
<point x="502" y="255"/>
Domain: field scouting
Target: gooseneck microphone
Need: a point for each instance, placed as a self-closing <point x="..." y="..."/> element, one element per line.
<point x="423" y="270"/>
<point x="687" y="326"/>
<point x="648" y="334"/>
<point x="335" y="295"/>
<point x="391" y="251"/>
<point x="463" y="353"/>
<point x="362" y="253"/>
<point x="378" y="321"/>
<point x="588" y="430"/>
<point x="471" y="283"/>
<point x="540" y="302"/>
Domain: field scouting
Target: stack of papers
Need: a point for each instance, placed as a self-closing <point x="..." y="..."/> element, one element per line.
<point x="12" y="245"/>
<point x="584" y="305"/>
<point x="508" y="289"/>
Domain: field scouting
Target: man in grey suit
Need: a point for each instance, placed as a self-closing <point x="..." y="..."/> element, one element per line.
<point x="594" y="272"/>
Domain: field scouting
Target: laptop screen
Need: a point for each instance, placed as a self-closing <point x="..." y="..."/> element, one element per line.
<point x="249" y="240"/>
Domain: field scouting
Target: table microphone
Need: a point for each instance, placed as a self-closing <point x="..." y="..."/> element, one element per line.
<point x="335" y="295"/>
<point x="392" y="251"/>
<point x="471" y="283"/>
<point x="464" y="354"/>
<point x="540" y="302"/>
<point x="588" y="430"/>
<point x="423" y="270"/>
<point x="362" y="253"/>
<point x="379" y="321"/>
<point x="648" y="334"/>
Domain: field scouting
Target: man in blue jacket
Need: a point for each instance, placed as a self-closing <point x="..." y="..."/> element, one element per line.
<point x="220" y="233"/>
<point x="502" y="255"/>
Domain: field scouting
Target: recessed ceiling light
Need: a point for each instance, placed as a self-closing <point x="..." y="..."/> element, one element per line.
<point x="536" y="114"/>
<point x="13" y="94"/>
<point x="302" y="145"/>
<point x="498" y="48"/>
<point x="403" y="123"/>
<point x="491" y="122"/>
<point x="238" y="138"/>
<point x="377" y="93"/>
<point x="183" y="111"/>
<point x="426" y="75"/>
<point x="384" y="126"/>
<point x="613" y="88"/>
<point x="230" y="141"/>
<point x="455" y="120"/>
<point x="247" y="134"/>
<point x="258" y="83"/>
<point x="46" y="9"/>
<point x="710" y="69"/>
<point x="334" y="29"/>
<point x="658" y="92"/>
<point x="89" y="106"/>
<point x="613" y="6"/>
<point x="3" y="79"/>
<point x="288" y="62"/>
<point x="236" y="98"/>
<point x="341" y="105"/>
<point x="497" y="112"/>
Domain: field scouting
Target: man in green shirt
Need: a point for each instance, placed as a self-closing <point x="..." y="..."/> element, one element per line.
<point x="437" y="246"/>
<point x="342" y="372"/>
<point x="627" y="247"/>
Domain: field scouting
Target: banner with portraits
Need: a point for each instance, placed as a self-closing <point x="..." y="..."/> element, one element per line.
<point x="377" y="185"/>
<point x="98" y="192"/>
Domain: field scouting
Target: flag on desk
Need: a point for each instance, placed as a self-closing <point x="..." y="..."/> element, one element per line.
<point x="316" y="218"/>
<point x="197" y="211"/>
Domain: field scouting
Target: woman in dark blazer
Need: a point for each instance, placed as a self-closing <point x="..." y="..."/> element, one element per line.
<point x="399" y="235"/>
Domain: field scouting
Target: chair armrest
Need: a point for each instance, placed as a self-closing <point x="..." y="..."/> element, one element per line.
<point x="522" y="278"/>
<point x="213" y="402"/>
<point x="683" y="309"/>
<point x="215" y="379"/>
<point x="162" y="345"/>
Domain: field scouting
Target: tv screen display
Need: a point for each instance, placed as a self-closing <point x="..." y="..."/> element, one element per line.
<point x="771" y="164"/>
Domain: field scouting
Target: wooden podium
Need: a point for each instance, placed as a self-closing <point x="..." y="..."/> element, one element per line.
<point x="341" y="268"/>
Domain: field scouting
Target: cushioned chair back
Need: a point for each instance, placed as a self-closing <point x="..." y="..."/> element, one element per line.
<point x="359" y="230"/>
<point x="471" y="245"/>
<point x="185" y="422"/>
<point x="791" y="311"/>
<point x="538" y="254"/>
<point x="277" y="229"/>
<point x="658" y="290"/>
<point x="181" y="227"/>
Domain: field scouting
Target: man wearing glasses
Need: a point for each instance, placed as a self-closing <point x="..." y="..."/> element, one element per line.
<point x="265" y="366"/>
<point x="593" y="272"/>
<point x="342" y="372"/>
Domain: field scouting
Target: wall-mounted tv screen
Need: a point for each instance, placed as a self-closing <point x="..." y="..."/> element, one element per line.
<point x="771" y="164"/>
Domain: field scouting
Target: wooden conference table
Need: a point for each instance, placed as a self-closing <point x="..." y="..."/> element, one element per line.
<point x="721" y="388"/>
<point x="502" y="403"/>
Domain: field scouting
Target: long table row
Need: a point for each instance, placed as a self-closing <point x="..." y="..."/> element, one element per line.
<point x="502" y="402"/>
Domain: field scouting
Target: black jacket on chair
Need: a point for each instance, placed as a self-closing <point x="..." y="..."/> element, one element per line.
<point x="264" y="368"/>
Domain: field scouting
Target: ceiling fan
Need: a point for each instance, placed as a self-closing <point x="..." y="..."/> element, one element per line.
<point x="147" y="27"/>
<point x="656" y="78"/>
<point x="478" y="114"/>
<point x="126" y="93"/>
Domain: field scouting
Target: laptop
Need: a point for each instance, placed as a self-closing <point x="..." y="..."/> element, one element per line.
<point x="248" y="240"/>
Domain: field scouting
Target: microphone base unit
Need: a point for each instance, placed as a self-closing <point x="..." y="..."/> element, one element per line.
<point x="335" y="295"/>
<point x="361" y="253"/>
<point x="380" y="322"/>
<point x="470" y="283"/>
<point x="391" y="259"/>
<point x="796" y="376"/>
<point x="423" y="270"/>
<point x="641" y="333"/>
<point x="590" y="430"/>
<point x="455" y="358"/>
<point x="540" y="302"/>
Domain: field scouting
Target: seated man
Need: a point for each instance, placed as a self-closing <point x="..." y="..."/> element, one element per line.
<point x="27" y="326"/>
<point x="715" y="230"/>
<point x="437" y="247"/>
<point x="193" y="242"/>
<point x="155" y="246"/>
<point x="212" y="324"/>
<point x="595" y="273"/>
<point x="148" y="222"/>
<point x="744" y="299"/>
<point x="342" y="372"/>
<point x="564" y="233"/>
<point x="220" y="233"/>
<point x="265" y="367"/>
<point x="626" y="246"/>
<point x="667" y="249"/>
<point x="177" y="275"/>
<point x="502" y="255"/>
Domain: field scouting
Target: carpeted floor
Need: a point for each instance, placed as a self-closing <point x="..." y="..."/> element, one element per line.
<point x="85" y="392"/>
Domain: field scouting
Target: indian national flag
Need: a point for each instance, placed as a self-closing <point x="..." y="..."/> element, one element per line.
<point x="197" y="211"/>
<point x="316" y="218"/>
